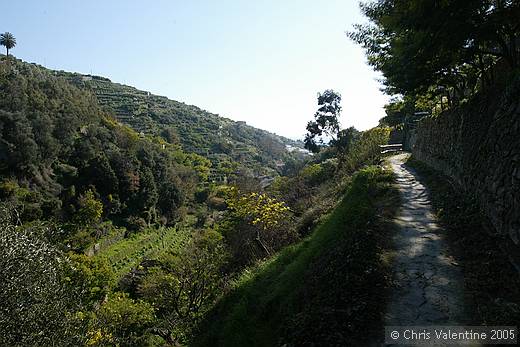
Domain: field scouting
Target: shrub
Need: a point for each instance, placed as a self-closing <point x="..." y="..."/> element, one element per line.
<point x="120" y="321"/>
<point x="134" y="223"/>
<point x="185" y="285"/>
<point x="90" y="209"/>
<point x="255" y="225"/>
<point x="365" y="150"/>
<point x="37" y="306"/>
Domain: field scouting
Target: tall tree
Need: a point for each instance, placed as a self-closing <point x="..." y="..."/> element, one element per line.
<point x="418" y="45"/>
<point x="325" y="123"/>
<point x="7" y="39"/>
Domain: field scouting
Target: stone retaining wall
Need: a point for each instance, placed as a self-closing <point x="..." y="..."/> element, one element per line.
<point x="478" y="146"/>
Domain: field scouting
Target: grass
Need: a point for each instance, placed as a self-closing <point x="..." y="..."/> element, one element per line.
<point x="492" y="284"/>
<point x="326" y="289"/>
<point x="128" y="253"/>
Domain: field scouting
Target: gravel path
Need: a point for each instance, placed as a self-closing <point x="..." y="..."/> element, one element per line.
<point x="428" y="283"/>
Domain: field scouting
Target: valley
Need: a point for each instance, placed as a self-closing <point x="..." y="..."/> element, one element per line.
<point x="132" y="219"/>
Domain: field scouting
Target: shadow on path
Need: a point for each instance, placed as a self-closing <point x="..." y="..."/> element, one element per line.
<point x="427" y="282"/>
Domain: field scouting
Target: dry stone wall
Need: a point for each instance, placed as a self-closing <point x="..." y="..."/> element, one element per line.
<point x="478" y="146"/>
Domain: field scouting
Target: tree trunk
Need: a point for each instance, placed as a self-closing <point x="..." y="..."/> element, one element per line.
<point x="166" y="335"/>
<point x="262" y="245"/>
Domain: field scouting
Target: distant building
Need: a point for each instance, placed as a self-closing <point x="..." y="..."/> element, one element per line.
<point x="291" y="149"/>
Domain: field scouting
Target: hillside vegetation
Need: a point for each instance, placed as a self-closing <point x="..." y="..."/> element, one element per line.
<point x="127" y="237"/>
<point x="65" y="159"/>
<point x="229" y="145"/>
<point x="326" y="289"/>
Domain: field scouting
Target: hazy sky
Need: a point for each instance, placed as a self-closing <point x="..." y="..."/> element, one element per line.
<point x="259" y="61"/>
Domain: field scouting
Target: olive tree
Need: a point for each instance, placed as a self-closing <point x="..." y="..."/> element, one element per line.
<point x="38" y="306"/>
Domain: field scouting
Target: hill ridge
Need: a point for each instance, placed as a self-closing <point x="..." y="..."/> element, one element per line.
<point x="216" y="137"/>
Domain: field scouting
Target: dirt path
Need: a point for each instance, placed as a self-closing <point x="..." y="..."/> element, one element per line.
<point x="428" y="283"/>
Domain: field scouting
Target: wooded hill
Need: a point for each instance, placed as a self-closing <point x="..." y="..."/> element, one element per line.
<point x="62" y="145"/>
<point x="63" y="158"/>
<point x="229" y="145"/>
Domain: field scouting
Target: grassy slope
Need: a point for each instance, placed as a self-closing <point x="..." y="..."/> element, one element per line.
<point x="325" y="289"/>
<point x="492" y="283"/>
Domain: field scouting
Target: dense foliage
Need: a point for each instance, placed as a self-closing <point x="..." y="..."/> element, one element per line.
<point x="185" y="284"/>
<point x="437" y="54"/>
<point x="36" y="302"/>
<point x="423" y="44"/>
<point x="64" y="158"/>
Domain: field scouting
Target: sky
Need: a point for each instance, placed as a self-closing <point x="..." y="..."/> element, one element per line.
<point x="262" y="62"/>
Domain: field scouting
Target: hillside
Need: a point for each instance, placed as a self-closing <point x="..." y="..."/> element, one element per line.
<point x="124" y="233"/>
<point x="223" y="141"/>
<point x="63" y="158"/>
<point x="327" y="289"/>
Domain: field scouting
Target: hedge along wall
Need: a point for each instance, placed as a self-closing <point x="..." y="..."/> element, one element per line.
<point x="478" y="146"/>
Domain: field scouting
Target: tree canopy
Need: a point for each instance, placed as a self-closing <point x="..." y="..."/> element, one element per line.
<point x="422" y="44"/>
<point x="62" y="157"/>
<point x="325" y="123"/>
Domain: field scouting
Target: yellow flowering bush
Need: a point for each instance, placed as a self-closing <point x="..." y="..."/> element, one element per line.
<point x="256" y="225"/>
<point x="258" y="208"/>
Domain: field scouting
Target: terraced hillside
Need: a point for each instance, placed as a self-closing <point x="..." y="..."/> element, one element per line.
<point x="229" y="145"/>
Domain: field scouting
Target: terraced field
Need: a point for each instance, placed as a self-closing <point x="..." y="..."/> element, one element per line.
<point x="128" y="253"/>
<point x="217" y="138"/>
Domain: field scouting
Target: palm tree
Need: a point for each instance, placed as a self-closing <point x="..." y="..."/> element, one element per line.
<point x="7" y="39"/>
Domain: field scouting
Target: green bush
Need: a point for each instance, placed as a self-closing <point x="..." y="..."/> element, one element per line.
<point x="90" y="209"/>
<point x="185" y="285"/>
<point x="38" y="306"/>
<point x="365" y="150"/>
<point x="120" y="321"/>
